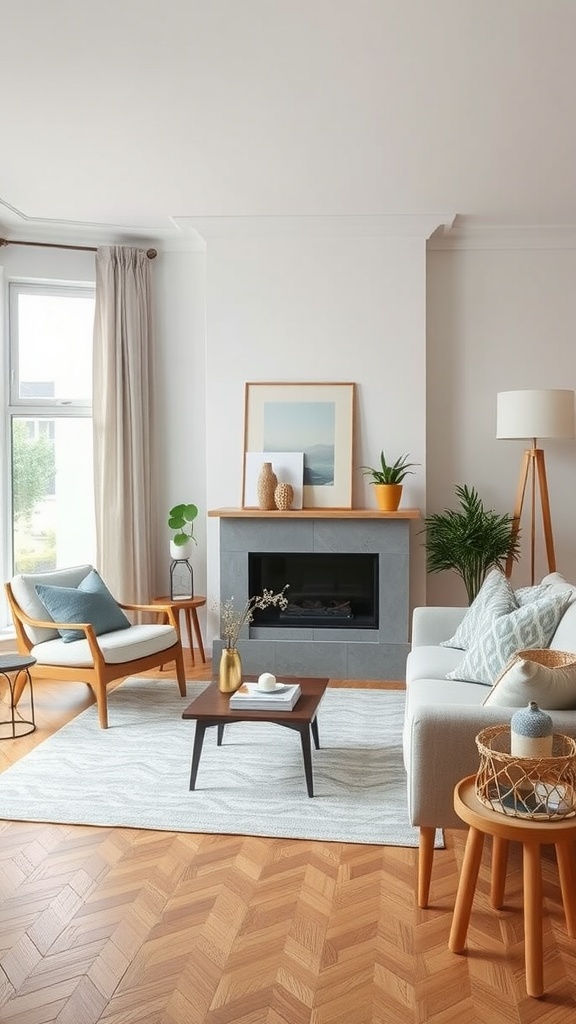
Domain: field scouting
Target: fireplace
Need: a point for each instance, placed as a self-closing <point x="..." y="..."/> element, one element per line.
<point x="359" y="630"/>
<point x="326" y="590"/>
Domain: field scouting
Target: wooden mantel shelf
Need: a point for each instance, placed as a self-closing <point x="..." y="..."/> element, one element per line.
<point x="313" y="513"/>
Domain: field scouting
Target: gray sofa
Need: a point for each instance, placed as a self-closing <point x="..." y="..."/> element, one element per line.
<point x="443" y="717"/>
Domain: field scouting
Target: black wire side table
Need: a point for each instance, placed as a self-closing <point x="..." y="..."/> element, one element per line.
<point x="16" y="671"/>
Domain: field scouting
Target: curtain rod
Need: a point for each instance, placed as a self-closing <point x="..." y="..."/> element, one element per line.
<point x="151" y="253"/>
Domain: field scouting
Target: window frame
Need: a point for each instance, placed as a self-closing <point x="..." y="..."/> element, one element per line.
<point x="15" y="403"/>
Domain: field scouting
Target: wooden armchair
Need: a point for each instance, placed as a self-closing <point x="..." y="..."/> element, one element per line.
<point x="99" y="657"/>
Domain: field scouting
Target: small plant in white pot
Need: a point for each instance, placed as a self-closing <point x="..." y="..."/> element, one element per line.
<point x="181" y="519"/>
<point x="388" y="480"/>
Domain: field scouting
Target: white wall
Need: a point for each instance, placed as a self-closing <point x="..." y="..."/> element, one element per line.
<point x="428" y="357"/>
<point x="180" y="397"/>
<point x="501" y="315"/>
<point x="306" y="307"/>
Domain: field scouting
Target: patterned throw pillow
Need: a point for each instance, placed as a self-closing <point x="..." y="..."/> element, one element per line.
<point x="530" y="626"/>
<point x="527" y="594"/>
<point x="548" y="677"/>
<point x="494" y="598"/>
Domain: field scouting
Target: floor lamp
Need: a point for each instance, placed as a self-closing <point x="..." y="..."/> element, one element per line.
<point x="534" y="414"/>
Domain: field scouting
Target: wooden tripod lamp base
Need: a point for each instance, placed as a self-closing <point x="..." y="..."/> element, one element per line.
<point x="534" y="466"/>
<point x="534" y="414"/>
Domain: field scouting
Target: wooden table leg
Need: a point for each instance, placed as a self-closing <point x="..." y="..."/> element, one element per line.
<point x="189" y="631"/>
<point x="564" y="855"/>
<point x="499" y="863"/>
<point x="197" y="751"/>
<point x="198" y="633"/>
<point x="466" y="888"/>
<point x="307" y="755"/>
<point x="533" y="919"/>
<point x="315" y="734"/>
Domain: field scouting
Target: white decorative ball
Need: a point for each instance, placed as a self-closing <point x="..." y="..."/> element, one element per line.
<point x="266" y="681"/>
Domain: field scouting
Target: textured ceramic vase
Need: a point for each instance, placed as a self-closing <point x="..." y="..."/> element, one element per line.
<point x="267" y="482"/>
<point x="284" y="496"/>
<point x="230" y="674"/>
<point x="531" y="732"/>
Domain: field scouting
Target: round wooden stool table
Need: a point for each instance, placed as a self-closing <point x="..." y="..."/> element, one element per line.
<point x="188" y="605"/>
<point x="532" y="834"/>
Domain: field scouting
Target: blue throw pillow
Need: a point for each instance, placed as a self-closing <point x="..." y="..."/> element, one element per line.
<point x="90" y="602"/>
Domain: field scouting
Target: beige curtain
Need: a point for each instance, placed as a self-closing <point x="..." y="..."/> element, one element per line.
<point x="122" y="404"/>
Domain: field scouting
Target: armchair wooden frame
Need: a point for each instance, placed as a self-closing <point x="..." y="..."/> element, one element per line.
<point x="98" y="675"/>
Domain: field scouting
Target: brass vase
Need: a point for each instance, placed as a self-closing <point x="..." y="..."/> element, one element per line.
<point x="230" y="675"/>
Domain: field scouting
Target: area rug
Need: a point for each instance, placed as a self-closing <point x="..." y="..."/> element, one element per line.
<point x="137" y="772"/>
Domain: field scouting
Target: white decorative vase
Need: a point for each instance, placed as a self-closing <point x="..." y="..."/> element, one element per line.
<point x="181" y="552"/>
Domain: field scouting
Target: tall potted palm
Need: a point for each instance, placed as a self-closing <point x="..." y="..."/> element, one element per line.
<point x="469" y="540"/>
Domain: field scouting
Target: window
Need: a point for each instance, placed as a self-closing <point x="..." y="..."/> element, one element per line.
<point x="50" y="426"/>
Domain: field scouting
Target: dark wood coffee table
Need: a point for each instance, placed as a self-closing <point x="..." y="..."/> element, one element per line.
<point x="213" y="708"/>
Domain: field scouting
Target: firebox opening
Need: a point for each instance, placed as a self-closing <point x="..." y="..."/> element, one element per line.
<point x="325" y="590"/>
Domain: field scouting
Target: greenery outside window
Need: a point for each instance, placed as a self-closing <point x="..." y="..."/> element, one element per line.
<point x="51" y="498"/>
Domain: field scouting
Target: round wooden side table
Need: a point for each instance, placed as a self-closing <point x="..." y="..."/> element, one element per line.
<point x="188" y="605"/>
<point x="532" y="834"/>
<point x="16" y="671"/>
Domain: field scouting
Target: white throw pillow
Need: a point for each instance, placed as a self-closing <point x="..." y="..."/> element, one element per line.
<point x="494" y="598"/>
<point x="527" y="627"/>
<point x="532" y="675"/>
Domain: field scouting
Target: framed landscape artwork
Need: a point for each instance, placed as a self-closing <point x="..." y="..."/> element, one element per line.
<point x="313" y="418"/>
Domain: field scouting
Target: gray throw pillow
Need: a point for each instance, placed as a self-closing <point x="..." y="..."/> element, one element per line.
<point x="90" y="602"/>
<point x="494" y="598"/>
<point x="530" y="626"/>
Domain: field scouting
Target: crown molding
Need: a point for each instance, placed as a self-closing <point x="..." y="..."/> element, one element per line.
<point x="16" y="224"/>
<point x="467" y="233"/>
<point x="393" y="226"/>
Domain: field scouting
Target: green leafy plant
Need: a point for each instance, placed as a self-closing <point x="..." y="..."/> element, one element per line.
<point x="178" y="518"/>
<point x="469" y="540"/>
<point x="389" y="473"/>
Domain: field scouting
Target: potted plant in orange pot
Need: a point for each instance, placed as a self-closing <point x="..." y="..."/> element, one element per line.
<point x="387" y="480"/>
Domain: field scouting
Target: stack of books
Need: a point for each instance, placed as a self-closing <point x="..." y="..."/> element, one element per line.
<point x="250" y="698"/>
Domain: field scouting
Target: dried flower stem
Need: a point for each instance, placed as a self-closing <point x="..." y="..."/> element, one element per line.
<point x="233" y="621"/>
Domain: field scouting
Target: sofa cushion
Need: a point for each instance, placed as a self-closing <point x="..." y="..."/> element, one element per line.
<point x="548" y="677"/>
<point x="564" y="638"/>
<point x="431" y="663"/>
<point x="530" y="626"/>
<point x="494" y="598"/>
<point x="90" y="601"/>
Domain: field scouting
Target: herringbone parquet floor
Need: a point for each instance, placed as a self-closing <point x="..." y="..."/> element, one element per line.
<point x="121" y="926"/>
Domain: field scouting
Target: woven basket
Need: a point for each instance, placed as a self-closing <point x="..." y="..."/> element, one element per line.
<point x="542" y="788"/>
<point x="551" y="659"/>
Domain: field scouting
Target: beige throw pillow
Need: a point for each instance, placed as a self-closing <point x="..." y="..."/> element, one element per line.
<point x="548" y="677"/>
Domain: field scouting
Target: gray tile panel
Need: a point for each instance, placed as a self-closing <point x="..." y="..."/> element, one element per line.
<point x="346" y="653"/>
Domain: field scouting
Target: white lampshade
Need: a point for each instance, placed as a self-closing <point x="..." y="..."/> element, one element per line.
<point x="535" y="413"/>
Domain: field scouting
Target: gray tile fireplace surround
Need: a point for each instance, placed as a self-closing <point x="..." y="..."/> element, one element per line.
<point x="343" y="653"/>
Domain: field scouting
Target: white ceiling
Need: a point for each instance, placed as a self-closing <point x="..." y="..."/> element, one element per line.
<point x="123" y="116"/>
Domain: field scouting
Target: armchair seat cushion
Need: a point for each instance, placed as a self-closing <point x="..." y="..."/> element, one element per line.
<point x="118" y="647"/>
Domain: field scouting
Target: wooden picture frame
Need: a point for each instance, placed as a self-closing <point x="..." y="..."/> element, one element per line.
<point x="316" y="418"/>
